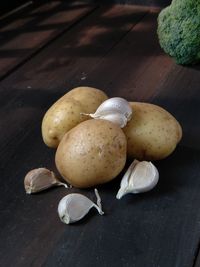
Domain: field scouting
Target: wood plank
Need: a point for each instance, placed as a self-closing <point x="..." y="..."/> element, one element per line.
<point x="135" y="65"/>
<point x="31" y="31"/>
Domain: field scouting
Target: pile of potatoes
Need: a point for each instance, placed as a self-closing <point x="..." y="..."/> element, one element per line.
<point x="91" y="152"/>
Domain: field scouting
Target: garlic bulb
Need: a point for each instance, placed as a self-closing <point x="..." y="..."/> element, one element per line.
<point x="140" y="177"/>
<point x="40" y="179"/>
<point x="116" y="110"/>
<point x="74" y="207"/>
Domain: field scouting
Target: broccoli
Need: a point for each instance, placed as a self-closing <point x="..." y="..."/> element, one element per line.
<point x="179" y="31"/>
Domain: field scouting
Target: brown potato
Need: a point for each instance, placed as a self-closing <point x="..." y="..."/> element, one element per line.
<point x="92" y="153"/>
<point x="152" y="133"/>
<point x="65" y="113"/>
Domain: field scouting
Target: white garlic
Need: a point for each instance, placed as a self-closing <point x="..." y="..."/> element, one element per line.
<point x="117" y="118"/>
<point x="116" y="110"/>
<point x="140" y="177"/>
<point x="74" y="207"/>
<point x="40" y="179"/>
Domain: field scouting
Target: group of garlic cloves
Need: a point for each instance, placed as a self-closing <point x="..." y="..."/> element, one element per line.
<point x="140" y="177"/>
<point x="72" y="207"/>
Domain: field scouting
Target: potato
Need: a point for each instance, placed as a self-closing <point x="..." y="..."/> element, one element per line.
<point x="152" y="133"/>
<point x="65" y="113"/>
<point x="92" y="153"/>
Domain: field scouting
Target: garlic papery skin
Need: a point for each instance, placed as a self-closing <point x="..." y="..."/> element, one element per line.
<point x="141" y="176"/>
<point x="117" y="118"/>
<point x="40" y="179"/>
<point x="74" y="207"/>
<point x="116" y="110"/>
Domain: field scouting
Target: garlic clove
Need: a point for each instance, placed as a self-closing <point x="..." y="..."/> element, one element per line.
<point x="116" y="110"/>
<point x="140" y="177"/>
<point x="115" y="105"/>
<point x="40" y="179"/>
<point x="74" y="207"/>
<point x="149" y="177"/>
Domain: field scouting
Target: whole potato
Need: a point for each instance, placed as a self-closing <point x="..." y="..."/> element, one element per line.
<point x="152" y="133"/>
<point x="93" y="152"/>
<point x="65" y="113"/>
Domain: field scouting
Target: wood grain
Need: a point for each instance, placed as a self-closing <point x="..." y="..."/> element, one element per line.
<point x="32" y="30"/>
<point x="115" y="49"/>
<point x="135" y="65"/>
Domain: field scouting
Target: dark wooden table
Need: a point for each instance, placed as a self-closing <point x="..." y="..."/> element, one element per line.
<point x="45" y="51"/>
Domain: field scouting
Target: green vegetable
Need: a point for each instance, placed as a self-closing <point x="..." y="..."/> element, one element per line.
<point x="179" y="31"/>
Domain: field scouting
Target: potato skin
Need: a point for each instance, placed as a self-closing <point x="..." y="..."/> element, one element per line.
<point x="152" y="133"/>
<point x="65" y="113"/>
<point x="92" y="153"/>
<point x="59" y="119"/>
<point x="89" y="97"/>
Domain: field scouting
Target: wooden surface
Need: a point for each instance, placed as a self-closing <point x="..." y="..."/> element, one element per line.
<point x="34" y="28"/>
<point x="114" y="48"/>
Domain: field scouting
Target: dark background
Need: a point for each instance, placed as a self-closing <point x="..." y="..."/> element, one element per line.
<point x="6" y="6"/>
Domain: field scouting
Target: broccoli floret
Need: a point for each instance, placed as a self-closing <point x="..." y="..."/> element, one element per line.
<point x="179" y="31"/>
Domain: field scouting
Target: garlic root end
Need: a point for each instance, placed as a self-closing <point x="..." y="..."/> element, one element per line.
<point x="99" y="205"/>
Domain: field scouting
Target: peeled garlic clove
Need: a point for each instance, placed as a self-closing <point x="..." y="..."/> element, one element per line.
<point x="125" y="180"/>
<point x="148" y="174"/>
<point x="40" y="179"/>
<point x="74" y="207"/>
<point x="116" y="110"/>
<point x="140" y="177"/>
